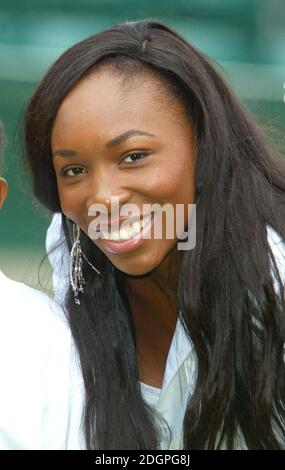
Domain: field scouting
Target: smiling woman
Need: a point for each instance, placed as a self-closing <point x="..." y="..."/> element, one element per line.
<point x="90" y="157"/>
<point x="190" y="340"/>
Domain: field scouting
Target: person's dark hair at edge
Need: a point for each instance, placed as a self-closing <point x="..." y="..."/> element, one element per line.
<point x="225" y="290"/>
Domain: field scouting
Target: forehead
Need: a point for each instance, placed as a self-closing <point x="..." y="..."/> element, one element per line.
<point x="103" y="101"/>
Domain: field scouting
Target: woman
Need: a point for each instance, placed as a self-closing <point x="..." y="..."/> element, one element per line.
<point x="138" y="113"/>
<point x="41" y="384"/>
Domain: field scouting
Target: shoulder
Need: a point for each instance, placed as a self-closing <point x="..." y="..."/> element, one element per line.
<point x="25" y="304"/>
<point x="33" y="327"/>
<point x="39" y="367"/>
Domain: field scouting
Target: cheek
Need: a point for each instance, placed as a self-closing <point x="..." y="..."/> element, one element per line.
<point x="71" y="204"/>
<point x="173" y="183"/>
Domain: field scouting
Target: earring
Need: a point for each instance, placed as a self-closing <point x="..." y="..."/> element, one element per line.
<point x="75" y="268"/>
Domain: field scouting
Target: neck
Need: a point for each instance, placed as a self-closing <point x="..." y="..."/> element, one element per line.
<point x="154" y="295"/>
<point x="153" y="303"/>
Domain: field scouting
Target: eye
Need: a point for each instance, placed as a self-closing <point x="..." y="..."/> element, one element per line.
<point x="72" y="171"/>
<point x="134" y="156"/>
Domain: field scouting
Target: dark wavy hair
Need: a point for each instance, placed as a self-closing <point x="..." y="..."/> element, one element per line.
<point x="229" y="307"/>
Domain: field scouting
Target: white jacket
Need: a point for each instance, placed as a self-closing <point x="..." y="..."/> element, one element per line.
<point x="41" y="391"/>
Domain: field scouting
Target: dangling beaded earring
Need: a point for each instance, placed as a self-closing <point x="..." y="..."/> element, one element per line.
<point x="75" y="269"/>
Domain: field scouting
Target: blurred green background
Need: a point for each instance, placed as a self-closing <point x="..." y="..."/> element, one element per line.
<point x="245" y="37"/>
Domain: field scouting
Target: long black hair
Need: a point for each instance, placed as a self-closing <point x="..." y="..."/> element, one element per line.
<point x="225" y="290"/>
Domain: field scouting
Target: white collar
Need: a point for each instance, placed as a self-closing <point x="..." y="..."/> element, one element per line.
<point x="180" y="349"/>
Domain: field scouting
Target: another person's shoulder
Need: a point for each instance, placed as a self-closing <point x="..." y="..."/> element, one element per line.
<point x="40" y="371"/>
<point x="24" y="304"/>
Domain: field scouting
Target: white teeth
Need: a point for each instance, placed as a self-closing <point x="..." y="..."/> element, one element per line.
<point x="115" y="236"/>
<point x="124" y="233"/>
<point x="105" y="235"/>
<point x="127" y="232"/>
<point x="136" y="227"/>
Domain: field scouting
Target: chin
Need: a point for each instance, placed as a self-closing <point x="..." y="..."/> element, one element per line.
<point x="134" y="271"/>
<point x="135" y="267"/>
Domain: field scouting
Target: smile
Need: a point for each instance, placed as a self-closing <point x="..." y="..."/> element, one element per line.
<point x="129" y="238"/>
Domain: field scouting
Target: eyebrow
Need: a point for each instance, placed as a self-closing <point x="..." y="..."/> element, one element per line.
<point x="119" y="139"/>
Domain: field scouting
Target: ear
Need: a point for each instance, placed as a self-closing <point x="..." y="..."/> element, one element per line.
<point x="3" y="191"/>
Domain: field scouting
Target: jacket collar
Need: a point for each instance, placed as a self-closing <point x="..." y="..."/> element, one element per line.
<point x="180" y="349"/>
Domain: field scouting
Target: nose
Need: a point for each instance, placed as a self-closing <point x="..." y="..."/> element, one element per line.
<point x="107" y="190"/>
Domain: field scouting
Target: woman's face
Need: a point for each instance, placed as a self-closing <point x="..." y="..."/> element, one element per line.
<point x="89" y="171"/>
